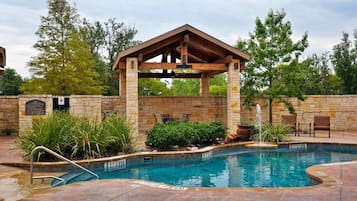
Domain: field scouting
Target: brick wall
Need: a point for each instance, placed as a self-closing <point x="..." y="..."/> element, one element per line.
<point x="341" y="109"/>
<point x="113" y="104"/>
<point x="201" y="109"/>
<point x="25" y="121"/>
<point x="9" y="115"/>
<point x="86" y="106"/>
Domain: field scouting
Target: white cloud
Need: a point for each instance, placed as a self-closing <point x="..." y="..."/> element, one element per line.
<point x="228" y="20"/>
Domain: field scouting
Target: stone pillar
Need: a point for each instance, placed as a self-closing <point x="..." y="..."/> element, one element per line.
<point x="132" y="97"/>
<point x="233" y="97"/>
<point x="36" y="112"/>
<point x="204" y="85"/>
<point x="122" y="83"/>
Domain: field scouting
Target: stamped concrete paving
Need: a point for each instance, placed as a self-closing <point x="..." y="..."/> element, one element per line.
<point x="340" y="183"/>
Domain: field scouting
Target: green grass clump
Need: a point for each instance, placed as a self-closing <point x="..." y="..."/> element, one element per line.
<point x="272" y="133"/>
<point x="77" y="138"/>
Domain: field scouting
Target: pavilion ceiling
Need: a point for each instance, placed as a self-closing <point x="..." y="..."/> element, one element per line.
<point x="184" y="48"/>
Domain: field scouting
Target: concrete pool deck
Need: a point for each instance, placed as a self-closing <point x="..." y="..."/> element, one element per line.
<point x="340" y="182"/>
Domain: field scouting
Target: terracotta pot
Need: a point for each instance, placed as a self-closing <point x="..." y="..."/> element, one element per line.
<point x="244" y="131"/>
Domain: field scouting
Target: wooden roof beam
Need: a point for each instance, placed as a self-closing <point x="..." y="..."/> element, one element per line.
<point x="204" y="45"/>
<point x="227" y="60"/>
<point x="195" y="66"/>
<point x="169" y="75"/>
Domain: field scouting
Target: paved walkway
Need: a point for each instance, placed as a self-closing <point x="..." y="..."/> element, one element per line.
<point x="340" y="183"/>
<point x="9" y="185"/>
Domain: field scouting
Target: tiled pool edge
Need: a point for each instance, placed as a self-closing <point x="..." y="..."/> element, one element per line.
<point x="318" y="171"/>
<point x="93" y="163"/>
<point x="203" y="154"/>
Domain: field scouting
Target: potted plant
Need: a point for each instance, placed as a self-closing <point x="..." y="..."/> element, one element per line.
<point x="245" y="129"/>
<point x="271" y="133"/>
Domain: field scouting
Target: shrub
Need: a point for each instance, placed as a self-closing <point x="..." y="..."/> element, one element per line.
<point x="272" y="133"/>
<point x="120" y="132"/>
<point x="77" y="138"/>
<point x="165" y="136"/>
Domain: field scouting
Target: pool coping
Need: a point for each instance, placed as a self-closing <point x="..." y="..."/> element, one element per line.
<point x="314" y="171"/>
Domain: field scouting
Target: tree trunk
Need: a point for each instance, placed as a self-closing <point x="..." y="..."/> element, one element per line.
<point x="270" y="111"/>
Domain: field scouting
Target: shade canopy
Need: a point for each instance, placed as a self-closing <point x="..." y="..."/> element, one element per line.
<point x="187" y="48"/>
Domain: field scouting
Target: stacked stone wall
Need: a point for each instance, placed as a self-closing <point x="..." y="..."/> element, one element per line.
<point x="9" y="114"/>
<point x="86" y="106"/>
<point x="201" y="109"/>
<point x="25" y="120"/>
<point x="341" y="109"/>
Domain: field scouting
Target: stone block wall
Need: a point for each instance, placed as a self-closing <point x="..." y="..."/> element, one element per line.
<point x="201" y="109"/>
<point x="113" y="104"/>
<point x="25" y="121"/>
<point x="341" y="109"/>
<point x="86" y="106"/>
<point x="9" y="113"/>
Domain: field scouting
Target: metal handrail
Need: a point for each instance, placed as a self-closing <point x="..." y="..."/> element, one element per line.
<point x="58" y="156"/>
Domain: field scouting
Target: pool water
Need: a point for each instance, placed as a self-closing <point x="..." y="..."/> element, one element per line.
<point x="239" y="167"/>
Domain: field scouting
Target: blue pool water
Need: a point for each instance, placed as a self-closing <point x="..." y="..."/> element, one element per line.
<point x="235" y="167"/>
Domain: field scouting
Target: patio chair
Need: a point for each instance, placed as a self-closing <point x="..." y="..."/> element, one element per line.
<point x="166" y="118"/>
<point x="322" y="123"/>
<point x="186" y="117"/>
<point x="290" y="121"/>
<point x="156" y="118"/>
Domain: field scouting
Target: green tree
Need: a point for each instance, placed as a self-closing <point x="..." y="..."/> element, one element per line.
<point x="64" y="65"/>
<point x="309" y="77"/>
<point x="10" y="82"/>
<point x="191" y="87"/>
<point x="344" y="58"/>
<point x="106" y="40"/>
<point x="270" y="45"/>
<point x="185" y="87"/>
<point x="152" y="87"/>
<point x="218" y="85"/>
<point x="319" y="78"/>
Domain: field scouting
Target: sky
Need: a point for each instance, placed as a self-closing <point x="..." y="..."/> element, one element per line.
<point x="228" y="20"/>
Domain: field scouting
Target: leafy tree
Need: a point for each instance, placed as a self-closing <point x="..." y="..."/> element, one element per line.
<point x="10" y="82"/>
<point x="185" y="87"/>
<point x="64" y="65"/>
<point x="319" y="79"/>
<point x="218" y="85"/>
<point x="152" y="87"/>
<point x="311" y="76"/>
<point x="344" y="58"/>
<point x="270" y="45"/>
<point x="191" y="87"/>
<point x="106" y="40"/>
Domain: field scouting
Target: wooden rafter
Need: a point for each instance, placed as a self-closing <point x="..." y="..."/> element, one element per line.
<point x="200" y="45"/>
<point x="169" y="75"/>
<point x="195" y="66"/>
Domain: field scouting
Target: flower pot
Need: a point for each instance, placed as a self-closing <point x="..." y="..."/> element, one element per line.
<point x="244" y="132"/>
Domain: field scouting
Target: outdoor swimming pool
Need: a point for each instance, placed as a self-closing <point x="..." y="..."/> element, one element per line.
<point x="232" y="167"/>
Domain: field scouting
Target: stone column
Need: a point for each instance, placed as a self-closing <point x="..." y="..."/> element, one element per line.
<point x="204" y="85"/>
<point x="132" y="97"/>
<point x="233" y="97"/>
<point x="25" y="120"/>
<point x="122" y="83"/>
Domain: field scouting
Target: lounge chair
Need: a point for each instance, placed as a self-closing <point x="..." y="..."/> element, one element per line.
<point x="186" y="117"/>
<point x="290" y="121"/>
<point x="322" y="123"/>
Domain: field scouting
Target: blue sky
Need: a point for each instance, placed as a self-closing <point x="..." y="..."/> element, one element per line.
<point x="227" y="20"/>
